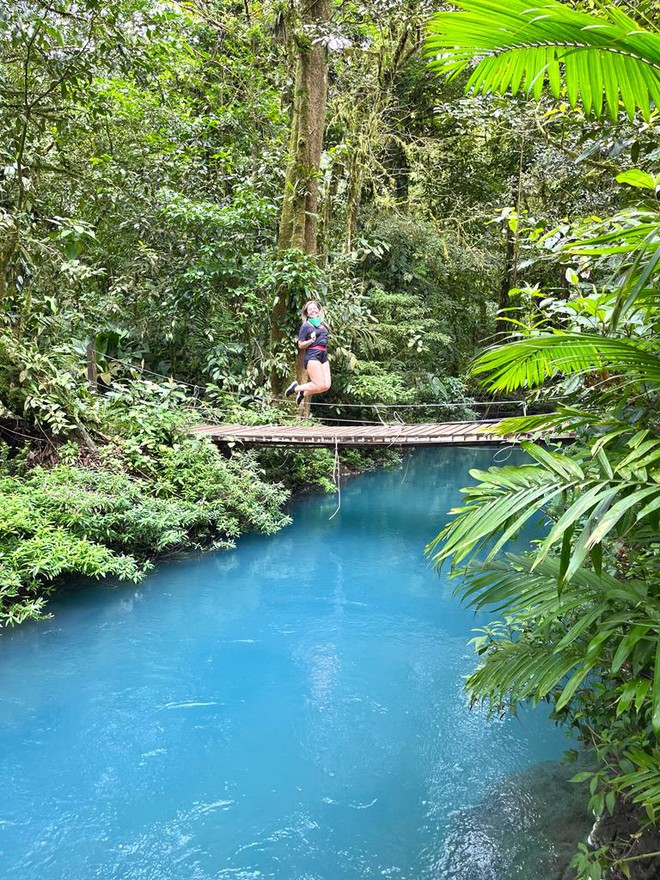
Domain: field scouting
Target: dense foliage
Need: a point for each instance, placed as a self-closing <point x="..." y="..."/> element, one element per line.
<point x="148" y="281"/>
<point x="143" y="149"/>
<point x="143" y="152"/>
<point x="151" y="490"/>
<point x="580" y="607"/>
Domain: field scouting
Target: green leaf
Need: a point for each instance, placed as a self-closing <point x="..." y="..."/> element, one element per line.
<point x="635" y="177"/>
<point x="573" y="684"/>
<point x="565" y="556"/>
<point x="655" y="696"/>
<point x="596" y="557"/>
<point x="603" y="56"/>
<point x="610" y="800"/>
<point x="618" y="510"/>
<point x="627" y="645"/>
<point x="585" y="622"/>
<point x="583" y="776"/>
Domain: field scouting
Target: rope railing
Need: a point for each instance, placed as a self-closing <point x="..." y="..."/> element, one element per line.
<point x="458" y="404"/>
<point x="467" y="404"/>
<point x="145" y="370"/>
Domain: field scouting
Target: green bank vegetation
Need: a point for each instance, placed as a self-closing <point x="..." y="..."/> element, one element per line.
<point x="579" y="610"/>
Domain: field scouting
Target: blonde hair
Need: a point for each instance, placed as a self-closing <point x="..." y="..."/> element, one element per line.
<point x="303" y="312"/>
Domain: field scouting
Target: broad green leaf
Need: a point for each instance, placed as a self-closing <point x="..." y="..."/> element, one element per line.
<point x="596" y="557"/>
<point x="618" y="510"/>
<point x="581" y="626"/>
<point x="491" y="31"/>
<point x="626" y="645"/>
<point x="584" y="503"/>
<point x="565" y="555"/>
<point x="573" y="684"/>
<point x="635" y="177"/>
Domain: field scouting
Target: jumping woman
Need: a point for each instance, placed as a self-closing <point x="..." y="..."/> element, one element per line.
<point x="313" y="341"/>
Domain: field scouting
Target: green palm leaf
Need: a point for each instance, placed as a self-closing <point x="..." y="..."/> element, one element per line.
<point x="561" y="423"/>
<point x="618" y="495"/>
<point x="604" y="58"/>
<point x="530" y="362"/>
<point x="606" y="624"/>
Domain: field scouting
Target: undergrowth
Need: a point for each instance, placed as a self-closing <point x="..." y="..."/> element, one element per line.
<point x="149" y="489"/>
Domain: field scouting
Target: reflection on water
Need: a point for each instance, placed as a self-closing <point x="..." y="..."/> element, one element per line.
<point x="526" y="827"/>
<point x="292" y="709"/>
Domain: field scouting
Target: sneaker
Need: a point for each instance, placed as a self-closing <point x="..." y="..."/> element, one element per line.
<point x="300" y="396"/>
<point x="292" y="387"/>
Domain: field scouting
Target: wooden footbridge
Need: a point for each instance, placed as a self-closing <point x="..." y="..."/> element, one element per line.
<point x="428" y="434"/>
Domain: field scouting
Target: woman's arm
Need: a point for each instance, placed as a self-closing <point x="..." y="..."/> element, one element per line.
<point x="302" y="344"/>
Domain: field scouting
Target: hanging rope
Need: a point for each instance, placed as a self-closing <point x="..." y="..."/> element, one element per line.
<point x="405" y="474"/>
<point x="401" y="424"/>
<point x="131" y="366"/>
<point x="336" y="476"/>
<point x="499" y="456"/>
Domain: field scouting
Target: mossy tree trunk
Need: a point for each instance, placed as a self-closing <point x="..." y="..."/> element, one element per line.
<point x="299" y="221"/>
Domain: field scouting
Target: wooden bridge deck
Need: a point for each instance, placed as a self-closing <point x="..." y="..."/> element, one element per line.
<point x="429" y="434"/>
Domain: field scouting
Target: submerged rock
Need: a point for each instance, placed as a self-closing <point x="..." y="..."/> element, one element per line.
<point x="527" y="828"/>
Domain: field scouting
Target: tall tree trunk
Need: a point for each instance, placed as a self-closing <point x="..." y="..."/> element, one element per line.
<point x="299" y="221"/>
<point x="509" y="278"/>
<point x="356" y="164"/>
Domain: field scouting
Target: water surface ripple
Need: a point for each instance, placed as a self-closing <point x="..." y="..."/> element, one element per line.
<point x="292" y="709"/>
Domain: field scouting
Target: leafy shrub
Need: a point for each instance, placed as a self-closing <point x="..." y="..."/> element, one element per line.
<point x="152" y="489"/>
<point x="360" y="460"/>
<point x="376" y="384"/>
<point x="95" y="521"/>
<point x="300" y="469"/>
<point x="42" y="538"/>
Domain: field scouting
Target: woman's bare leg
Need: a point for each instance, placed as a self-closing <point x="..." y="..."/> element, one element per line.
<point x="327" y="381"/>
<point x="317" y="379"/>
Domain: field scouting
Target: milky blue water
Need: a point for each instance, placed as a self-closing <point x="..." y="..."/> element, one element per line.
<point x="291" y="709"/>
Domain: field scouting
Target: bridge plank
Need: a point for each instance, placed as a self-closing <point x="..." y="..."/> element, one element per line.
<point x="425" y="434"/>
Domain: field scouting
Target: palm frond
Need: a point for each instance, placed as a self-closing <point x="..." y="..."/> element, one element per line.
<point x="605" y="494"/>
<point x="562" y="421"/>
<point x="602" y="59"/>
<point x="530" y="362"/>
<point x="630" y="231"/>
<point x="643" y="783"/>
<point x="598" y="621"/>
<point x="636" y="282"/>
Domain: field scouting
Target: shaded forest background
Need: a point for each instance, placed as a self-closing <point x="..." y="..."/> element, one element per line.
<point x="144" y="152"/>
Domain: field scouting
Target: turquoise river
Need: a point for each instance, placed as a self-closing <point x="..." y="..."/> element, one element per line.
<point x="291" y="709"/>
